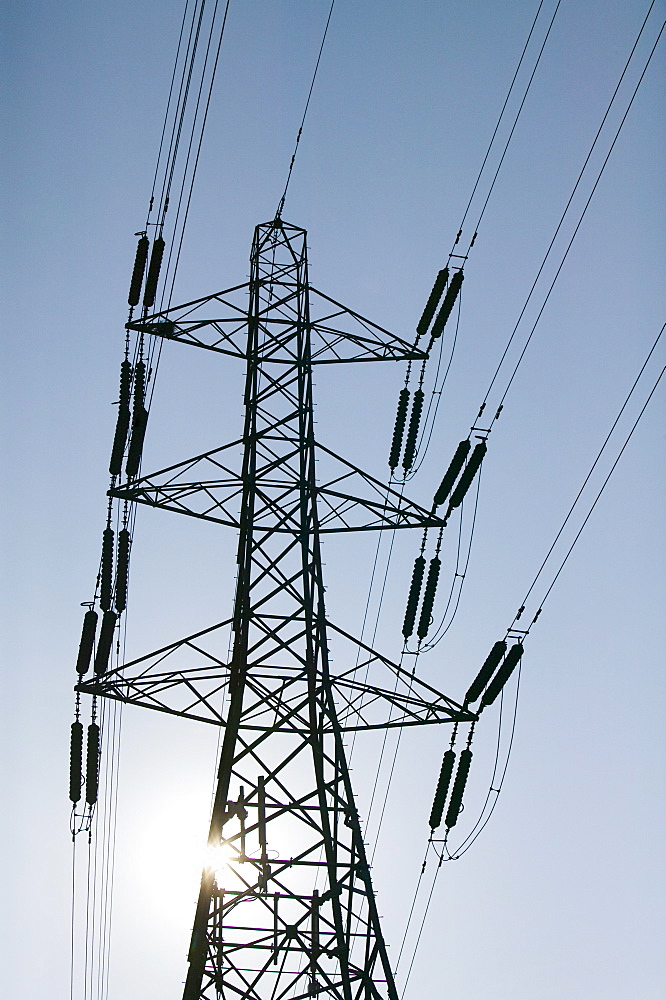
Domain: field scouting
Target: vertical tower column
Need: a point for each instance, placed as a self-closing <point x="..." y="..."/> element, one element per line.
<point x="286" y="906"/>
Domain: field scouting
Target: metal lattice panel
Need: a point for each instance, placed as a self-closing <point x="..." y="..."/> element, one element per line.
<point x="286" y="906"/>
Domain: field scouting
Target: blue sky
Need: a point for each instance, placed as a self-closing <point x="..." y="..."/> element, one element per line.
<point x="563" y="895"/>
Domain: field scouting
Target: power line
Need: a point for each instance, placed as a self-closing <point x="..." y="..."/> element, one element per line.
<point x="425" y="914"/>
<point x="483" y="821"/>
<point x="166" y="113"/>
<point x="499" y="121"/>
<point x="280" y="207"/>
<point x="601" y="490"/>
<point x="593" y="467"/>
<point x="562" y="218"/>
<point x="515" y="123"/>
<point x="191" y="142"/>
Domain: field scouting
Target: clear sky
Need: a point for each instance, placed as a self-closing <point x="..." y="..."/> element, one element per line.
<point x="563" y="894"/>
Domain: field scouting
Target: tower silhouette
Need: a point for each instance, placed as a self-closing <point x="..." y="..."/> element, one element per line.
<point x="286" y="906"/>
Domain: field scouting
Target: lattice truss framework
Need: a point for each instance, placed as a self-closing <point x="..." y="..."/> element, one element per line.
<point x="286" y="907"/>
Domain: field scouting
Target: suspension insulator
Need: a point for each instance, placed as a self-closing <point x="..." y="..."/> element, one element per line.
<point x="75" y="762"/>
<point x="153" y="272"/>
<point x="399" y="428"/>
<point x="414" y="594"/>
<point x="467" y="477"/>
<point x="486" y="672"/>
<point x="451" y="474"/>
<point x="458" y="789"/>
<point x="105" y="641"/>
<point x="119" y="441"/>
<point x="87" y="641"/>
<point x="447" y="305"/>
<point x="442" y="789"/>
<point x="136" y="443"/>
<point x="139" y="387"/>
<point x="122" y="423"/>
<point x="122" y="569"/>
<point x="92" y="764"/>
<point x="429" y="597"/>
<point x="433" y="301"/>
<point x="413" y="432"/>
<point x="138" y="272"/>
<point x="125" y="383"/>
<point x="106" y="572"/>
<point x="501" y="677"/>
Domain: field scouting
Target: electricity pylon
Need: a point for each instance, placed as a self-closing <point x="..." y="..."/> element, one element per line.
<point x="286" y="906"/>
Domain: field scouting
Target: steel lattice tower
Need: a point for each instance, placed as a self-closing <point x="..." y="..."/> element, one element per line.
<point x="291" y="912"/>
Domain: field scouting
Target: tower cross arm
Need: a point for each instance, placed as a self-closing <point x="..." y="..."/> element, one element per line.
<point x="411" y="700"/>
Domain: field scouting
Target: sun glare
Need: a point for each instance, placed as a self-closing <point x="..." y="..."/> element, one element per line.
<point x="219" y="859"/>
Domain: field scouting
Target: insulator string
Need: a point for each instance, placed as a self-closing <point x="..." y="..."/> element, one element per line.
<point x="422" y="326"/>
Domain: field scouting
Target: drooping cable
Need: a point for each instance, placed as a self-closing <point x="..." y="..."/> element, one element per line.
<point x="438" y="637"/>
<point x="483" y="820"/>
<point x="484" y="816"/>
<point x="445" y="625"/>
<point x="481" y="823"/>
